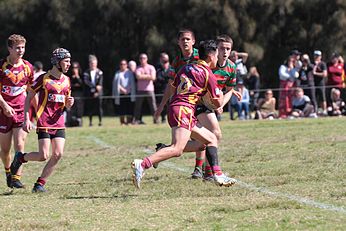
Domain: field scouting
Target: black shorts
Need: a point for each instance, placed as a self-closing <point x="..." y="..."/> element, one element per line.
<point x="202" y="109"/>
<point x="50" y="133"/>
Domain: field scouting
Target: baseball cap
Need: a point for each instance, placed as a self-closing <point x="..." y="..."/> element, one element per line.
<point x="317" y="53"/>
<point x="295" y="52"/>
<point x="240" y="82"/>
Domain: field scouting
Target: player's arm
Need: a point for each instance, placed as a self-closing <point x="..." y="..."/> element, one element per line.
<point x="7" y="109"/>
<point x="27" y="126"/>
<point x="218" y="102"/>
<point x="228" y="95"/>
<point x="166" y="96"/>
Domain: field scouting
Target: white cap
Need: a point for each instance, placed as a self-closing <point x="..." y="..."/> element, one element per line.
<point x="317" y="53"/>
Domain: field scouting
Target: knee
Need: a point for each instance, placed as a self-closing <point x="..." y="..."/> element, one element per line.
<point x="177" y="151"/>
<point x="57" y="155"/>
<point x="218" y="135"/>
<point x="44" y="156"/>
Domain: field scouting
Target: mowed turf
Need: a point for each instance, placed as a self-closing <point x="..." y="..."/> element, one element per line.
<point x="292" y="177"/>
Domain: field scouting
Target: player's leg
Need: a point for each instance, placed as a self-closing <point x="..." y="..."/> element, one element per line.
<point x="58" y="144"/>
<point x="180" y="137"/>
<point x="41" y="155"/>
<point x="207" y="137"/>
<point x="19" y="136"/>
<point x="5" y="144"/>
<point x="209" y="121"/>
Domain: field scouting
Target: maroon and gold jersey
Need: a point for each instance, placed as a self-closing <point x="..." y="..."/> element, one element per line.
<point x="13" y="82"/>
<point x="179" y="61"/>
<point x="227" y="75"/>
<point x="52" y="93"/>
<point x="193" y="81"/>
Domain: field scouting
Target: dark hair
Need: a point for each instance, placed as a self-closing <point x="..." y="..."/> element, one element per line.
<point x="38" y="65"/>
<point x="206" y="47"/>
<point x="224" y="38"/>
<point x="182" y="31"/>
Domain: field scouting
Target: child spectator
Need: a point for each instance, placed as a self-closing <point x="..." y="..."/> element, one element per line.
<point x="243" y="104"/>
<point x="337" y="107"/>
<point x="301" y="105"/>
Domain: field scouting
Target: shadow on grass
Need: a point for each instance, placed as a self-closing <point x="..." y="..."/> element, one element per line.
<point x="9" y="193"/>
<point x="99" y="197"/>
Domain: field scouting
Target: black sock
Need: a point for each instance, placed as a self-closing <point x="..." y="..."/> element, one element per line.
<point x="211" y="153"/>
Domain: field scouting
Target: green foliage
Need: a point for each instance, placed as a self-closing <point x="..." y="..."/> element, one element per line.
<point x="116" y="29"/>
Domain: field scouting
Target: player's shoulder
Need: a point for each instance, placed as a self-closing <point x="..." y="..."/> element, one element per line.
<point x="230" y="63"/>
<point x="26" y="62"/>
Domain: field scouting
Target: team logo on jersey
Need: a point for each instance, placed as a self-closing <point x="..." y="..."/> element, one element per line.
<point x="56" y="98"/>
<point x="12" y="90"/>
<point x="6" y="90"/>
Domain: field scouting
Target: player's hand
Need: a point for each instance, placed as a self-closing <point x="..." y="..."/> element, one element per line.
<point x="219" y="110"/>
<point x="27" y="126"/>
<point x="8" y="111"/>
<point x="238" y="95"/>
<point x="158" y="112"/>
<point x="69" y="101"/>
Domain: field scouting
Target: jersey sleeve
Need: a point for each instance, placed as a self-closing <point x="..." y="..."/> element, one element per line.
<point x="212" y="87"/>
<point x="232" y="78"/>
<point x="37" y="84"/>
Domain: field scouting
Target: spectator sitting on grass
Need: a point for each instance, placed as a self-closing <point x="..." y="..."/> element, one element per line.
<point x="266" y="107"/>
<point x="301" y="105"/>
<point x="337" y="107"/>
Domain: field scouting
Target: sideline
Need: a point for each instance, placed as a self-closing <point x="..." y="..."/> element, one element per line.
<point x="300" y="200"/>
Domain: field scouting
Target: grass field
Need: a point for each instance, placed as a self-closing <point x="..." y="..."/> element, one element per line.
<point x="292" y="177"/>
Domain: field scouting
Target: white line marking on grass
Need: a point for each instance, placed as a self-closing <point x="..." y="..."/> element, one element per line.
<point x="99" y="142"/>
<point x="252" y="187"/>
<point x="300" y="200"/>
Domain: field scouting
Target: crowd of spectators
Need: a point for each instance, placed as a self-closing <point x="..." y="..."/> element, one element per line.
<point x="308" y="87"/>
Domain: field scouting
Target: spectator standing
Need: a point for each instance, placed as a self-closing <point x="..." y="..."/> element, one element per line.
<point x="266" y="106"/>
<point x="77" y="92"/>
<point x="335" y="71"/>
<point x="124" y="92"/>
<point x="288" y="74"/>
<point x="252" y="83"/>
<point x="306" y="79"/>
<point x="162" y="77"/>
<point x="240" y="58"/>
<point x="319" y="72"/>
<point x="38" y="69"/>
<point x="93" y="79"/>
<point x="145" y="75"/>
<point x="132" y="65"/>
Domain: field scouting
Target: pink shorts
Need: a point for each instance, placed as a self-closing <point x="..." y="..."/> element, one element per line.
<point x="181" y="116"/>
<point x="8" y="123"/>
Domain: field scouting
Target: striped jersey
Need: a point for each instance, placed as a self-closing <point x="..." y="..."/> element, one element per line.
<point x="227" y="75"/>
<point x="179" y="61"/>
<point x="192" y="82"/>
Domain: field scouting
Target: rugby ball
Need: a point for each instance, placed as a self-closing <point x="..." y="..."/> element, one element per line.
<point x="206" y="101"/>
